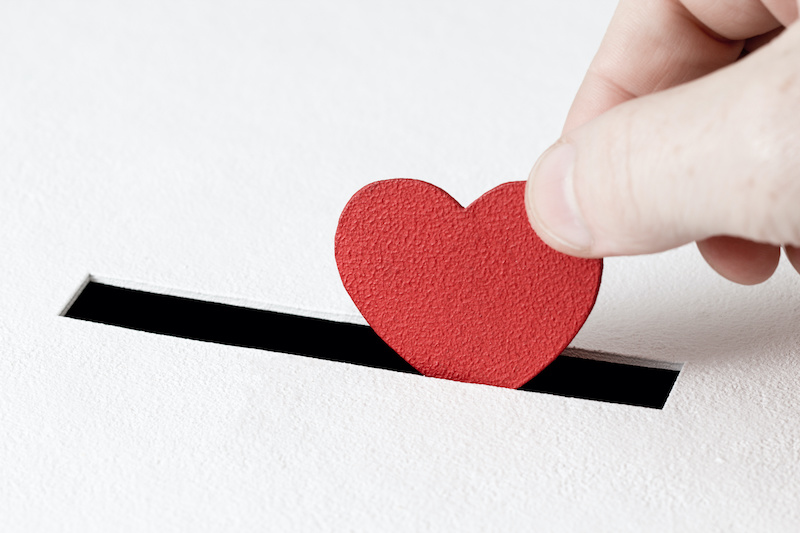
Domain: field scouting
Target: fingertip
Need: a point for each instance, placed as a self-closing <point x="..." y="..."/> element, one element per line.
<point x="740" y="260"/>
<point x="793" y="255"/>
<point x="550" y="202"/>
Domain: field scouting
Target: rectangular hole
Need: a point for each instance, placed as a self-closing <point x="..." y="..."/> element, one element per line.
<point x="575" y="373"/>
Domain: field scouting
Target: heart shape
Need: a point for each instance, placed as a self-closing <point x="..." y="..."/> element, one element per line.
<point x="468" y="294"/>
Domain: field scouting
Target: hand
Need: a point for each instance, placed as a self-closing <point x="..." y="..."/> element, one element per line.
<point x="685" y="128"/>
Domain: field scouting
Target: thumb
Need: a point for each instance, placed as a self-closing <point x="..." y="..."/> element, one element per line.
<point x="716" y="156"/>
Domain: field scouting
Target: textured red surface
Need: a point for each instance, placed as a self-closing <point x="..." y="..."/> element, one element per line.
<point x="469" y="294"/>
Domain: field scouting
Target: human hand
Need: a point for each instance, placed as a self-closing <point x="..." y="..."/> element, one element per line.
<point x="681" y="131"/>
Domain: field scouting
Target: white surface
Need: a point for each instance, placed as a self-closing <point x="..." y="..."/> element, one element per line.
<point x="209" y="148"/>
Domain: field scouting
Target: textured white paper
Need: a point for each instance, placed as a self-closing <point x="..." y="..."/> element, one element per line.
<point x="207" y="148"/>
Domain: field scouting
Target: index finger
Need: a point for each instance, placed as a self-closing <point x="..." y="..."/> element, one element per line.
<point x="654" y="45"/>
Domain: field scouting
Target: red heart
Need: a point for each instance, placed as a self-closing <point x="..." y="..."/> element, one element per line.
<point x="469" y="294"/>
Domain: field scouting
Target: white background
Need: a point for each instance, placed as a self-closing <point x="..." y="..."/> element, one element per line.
<point x="208" y="148"/>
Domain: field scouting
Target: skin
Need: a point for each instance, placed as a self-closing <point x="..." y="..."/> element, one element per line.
<point x="686" y="128"/>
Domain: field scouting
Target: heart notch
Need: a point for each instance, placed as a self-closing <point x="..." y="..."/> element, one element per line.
<point x="467" y="294"/>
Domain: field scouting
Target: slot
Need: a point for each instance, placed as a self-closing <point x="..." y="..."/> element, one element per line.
<point x="575" y="373"/>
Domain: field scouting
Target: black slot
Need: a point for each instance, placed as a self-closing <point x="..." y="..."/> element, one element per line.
<point x="343" y="342"/>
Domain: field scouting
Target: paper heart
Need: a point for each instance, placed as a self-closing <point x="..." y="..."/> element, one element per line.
<point x="469" y="294"/>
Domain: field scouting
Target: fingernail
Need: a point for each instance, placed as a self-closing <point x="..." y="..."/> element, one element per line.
<point x="551" y="197"/>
